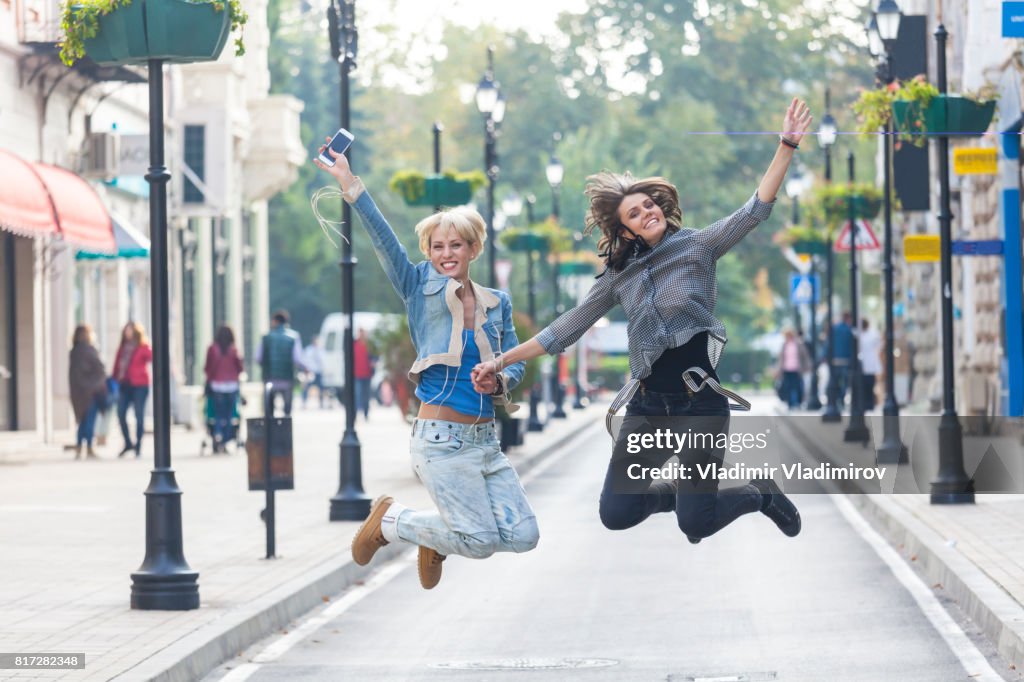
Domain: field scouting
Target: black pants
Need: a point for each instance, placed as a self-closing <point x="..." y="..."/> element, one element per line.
<point x="701" y="508"/>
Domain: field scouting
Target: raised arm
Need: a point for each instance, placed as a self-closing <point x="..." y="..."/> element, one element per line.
<point x="392" y="255"/>
<point x="795" y="124"/>
<point x="726" y="233"/>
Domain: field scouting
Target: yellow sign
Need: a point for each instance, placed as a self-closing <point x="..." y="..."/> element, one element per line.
<point x="921" y="248"/>
<point x="974" y="161"/>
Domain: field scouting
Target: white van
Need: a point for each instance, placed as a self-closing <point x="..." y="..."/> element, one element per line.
<point x="332" y="336"/>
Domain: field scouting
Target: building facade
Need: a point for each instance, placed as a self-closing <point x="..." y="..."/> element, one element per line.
<point x="93" y="121"/>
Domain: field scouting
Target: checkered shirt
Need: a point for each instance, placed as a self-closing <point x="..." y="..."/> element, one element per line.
<point x="669" y="293"/>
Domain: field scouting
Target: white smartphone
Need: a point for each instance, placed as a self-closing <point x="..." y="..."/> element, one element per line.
<point x="339" y="143"/>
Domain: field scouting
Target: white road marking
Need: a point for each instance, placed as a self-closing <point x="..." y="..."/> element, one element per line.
<point x="976" y="665"/>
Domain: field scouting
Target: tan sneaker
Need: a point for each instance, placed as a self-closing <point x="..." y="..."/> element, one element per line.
<point x="369" y="538"/>
<point x="430" y="567"/>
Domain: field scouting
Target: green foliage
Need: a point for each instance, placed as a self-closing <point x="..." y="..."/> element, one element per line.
<point x="874" y="107"/>
<point x="411" y="184"/>
<point x="831" y="203"/>
<point x="79" y="21"/>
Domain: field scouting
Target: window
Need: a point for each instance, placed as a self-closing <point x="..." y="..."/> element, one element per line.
<point x="195" y="159"/>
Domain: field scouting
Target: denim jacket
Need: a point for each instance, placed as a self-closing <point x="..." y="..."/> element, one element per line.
<point x="434" y="308"/>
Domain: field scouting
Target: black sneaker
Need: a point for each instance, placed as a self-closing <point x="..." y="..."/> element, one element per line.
<point x="777" y="507"/>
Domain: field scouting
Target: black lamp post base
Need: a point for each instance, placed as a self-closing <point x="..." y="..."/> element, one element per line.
<point x="165" y="581"/>
<point x="831" y="415"/>
<point x="165" y="592"/>
<point x="814" y="404"/>
<point x="534" y="424"/>
<point x="347" y="508"/>
<point x="856" y="432"/>
<point x="892" y="450"/>
<point x="952" y="497"/>
<point x="952" y="486"/>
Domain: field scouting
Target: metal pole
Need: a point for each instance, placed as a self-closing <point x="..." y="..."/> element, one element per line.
<point x="350" y="503"/>
<point x="813" y="402"/>
<point x="831" y="413"/>
<point x="437" y="153"/>
<point x="856" y="429"/>
<point x="534" y="423"/>
<point x="269" y="512"/>
<point x="892" y="449"/>
<point x="952" y="485"/>
<point x="491" y="179"/>
<point x="165" y="581"/>
<point x="558" y="412"/>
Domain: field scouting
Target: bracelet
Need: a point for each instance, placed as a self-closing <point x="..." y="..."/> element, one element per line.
<point x="499" y="385"/>
<point x="791" y="145"/>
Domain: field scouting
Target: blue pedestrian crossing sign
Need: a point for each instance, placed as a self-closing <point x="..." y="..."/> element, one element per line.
<point x="804" y="289"/>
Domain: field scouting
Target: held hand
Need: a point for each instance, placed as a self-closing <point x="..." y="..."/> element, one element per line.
<point x="483" y="377"/>
<point x="797" y="121"/>
<point x="340" y="170"/>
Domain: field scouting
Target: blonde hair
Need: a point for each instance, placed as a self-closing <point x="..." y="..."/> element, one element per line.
<point x="138" y="332"/>
<point x="466" y="222"/>
<point x="606" y="191"/>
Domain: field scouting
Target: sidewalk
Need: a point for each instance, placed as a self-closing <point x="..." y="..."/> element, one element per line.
<point x="973" y="554"/>
<point x="72" y="532"/>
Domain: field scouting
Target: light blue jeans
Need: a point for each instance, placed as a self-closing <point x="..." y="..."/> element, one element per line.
<point x="481" y="505"/>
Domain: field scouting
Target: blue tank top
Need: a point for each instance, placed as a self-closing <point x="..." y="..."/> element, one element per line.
<point x="451" y="387"/>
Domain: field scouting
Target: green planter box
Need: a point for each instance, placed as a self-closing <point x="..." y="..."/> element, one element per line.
<point x="443" y="191"/>
<point x="863" y="207"/>
<point x="945" y="115"/>
<point x="526" y="242"/>
<point x="174" y="30"/>
<point x="182" y="32"/>
<point x="575" y="268"/>
<point x="809" y="247"/>
<point x="120" y="37"/>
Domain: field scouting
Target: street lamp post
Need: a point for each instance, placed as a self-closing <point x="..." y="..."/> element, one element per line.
<point x="555" y="172"/>
<point x="164" y="581"/>
<point x="491" y="104"/>
<point x="856" y="429"/>
<point x="826" y="138"/>
<point x="794" y="187"/>
<point x="952" y="485"/>
<point x="438" y="129"/>
<point x="892" y="450"/>
<point x="534" y="424"/>
<point x="350" y="502"/>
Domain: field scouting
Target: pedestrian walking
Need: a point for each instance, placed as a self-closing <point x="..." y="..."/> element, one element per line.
<point x="869" y="347"/>
<point x="87" y="381"/>
<point x="794" y="361"/>
<point x="364" y="366"/>
<point x="313" y="361"/>
<point x="131" y="372"/>
<point x="280" y="356"/>
<point x="664" y="278"/>
<point x="223" y="369"/>
<point x="454" y="324"/>
<point x="842" y="355"/>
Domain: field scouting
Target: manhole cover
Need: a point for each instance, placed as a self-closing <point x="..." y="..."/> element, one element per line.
<point x="767" y="676"/>
<point x="528" y="664"/>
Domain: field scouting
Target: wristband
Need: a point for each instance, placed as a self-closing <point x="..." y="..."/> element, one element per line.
<point x="791" y="145"/>
<point x="499" y="384"/>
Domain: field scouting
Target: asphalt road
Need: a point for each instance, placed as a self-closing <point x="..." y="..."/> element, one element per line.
<point x="746" y="605"/>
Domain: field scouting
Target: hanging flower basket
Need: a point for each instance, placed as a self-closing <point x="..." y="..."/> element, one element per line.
<point x="834" y="201"/>
<point x="813" y="248"/>
<point x="449" y="189"/>
<point x="134" y="31"/>
<point x="523" y="239"/>
<point x="950" y="115"/>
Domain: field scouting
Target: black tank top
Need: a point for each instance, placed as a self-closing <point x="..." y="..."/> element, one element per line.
<point x="667" y="370"/>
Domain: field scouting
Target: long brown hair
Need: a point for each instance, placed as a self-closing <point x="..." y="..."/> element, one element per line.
<point x="606" y="191"/>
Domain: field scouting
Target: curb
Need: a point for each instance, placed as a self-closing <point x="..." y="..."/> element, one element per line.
<point x="203" y="650"/>
<point x="997" y="614"/>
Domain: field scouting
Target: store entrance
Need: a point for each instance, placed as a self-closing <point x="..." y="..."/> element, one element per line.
<point x="8" y="351"/>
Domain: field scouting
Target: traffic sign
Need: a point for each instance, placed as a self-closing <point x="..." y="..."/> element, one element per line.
<point x="984" y="247"/>
<point x="803" y="289"/>
<point x="866" y="239"/>
<point x="921" y="248"/>
<point x="975" y="161"/>
<point x="1013" y="19"/>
